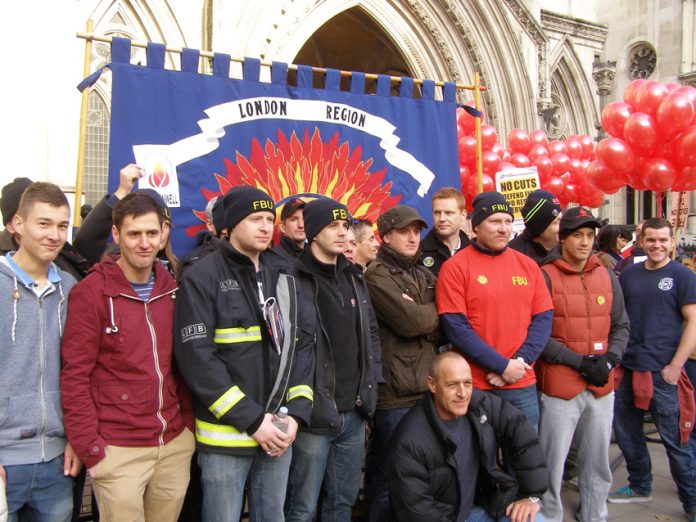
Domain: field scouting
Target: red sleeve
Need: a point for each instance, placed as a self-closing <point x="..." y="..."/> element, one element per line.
<point x="450" y="291"/>
<point x="79" y="351"/>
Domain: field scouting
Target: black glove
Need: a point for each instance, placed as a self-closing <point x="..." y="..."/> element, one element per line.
<point x="597" y="372"/>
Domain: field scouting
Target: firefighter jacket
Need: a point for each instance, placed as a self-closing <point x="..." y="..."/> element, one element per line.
<point x="231" y="354"/>
<point x="118" y="385"/>
<point x="325" y="415"/>
<point x="589" y="319"/>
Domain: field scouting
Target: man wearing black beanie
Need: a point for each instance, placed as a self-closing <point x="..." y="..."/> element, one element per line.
<point x="542" y="216"/>
<point x="495" y="307"/>
<point x="348" y="369"/>
<point x="243" y="345"/>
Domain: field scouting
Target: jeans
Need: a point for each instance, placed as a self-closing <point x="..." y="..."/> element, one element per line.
<point x="690" y="369"/>
<point x="377" y="489"/>
<point x="336" y="460"/>
<point x="223" y="478"/>
<point x="478" y="514"/>
<point x="628" y="428"/>
<point x="41" y="489"/>
<point x="524" y="399"/>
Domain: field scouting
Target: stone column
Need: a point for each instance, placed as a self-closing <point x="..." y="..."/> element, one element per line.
<point x="603" y="73"/>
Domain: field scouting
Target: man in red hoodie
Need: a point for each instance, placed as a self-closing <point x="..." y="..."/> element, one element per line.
<point x="123" y="406"/>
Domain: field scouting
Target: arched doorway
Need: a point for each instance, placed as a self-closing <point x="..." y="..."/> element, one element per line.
<point x="353" y="41"/>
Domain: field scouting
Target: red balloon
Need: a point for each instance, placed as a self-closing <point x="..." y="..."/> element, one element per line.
<point x="489" y="136"/>
<point x="649" y="97"/>
<point x="616" y="154"/>
<point x="635" y="180"/>
<point x="658" y="174"/>
<point x="506" y="155"/>
<point x="686" y="179"/>
<point x="690" y="92"/>
<point x="498" y="149"/>
<point x="576" y="169"/>
<point x="487" y="182"/>
<point x="536" y="151"/>
<point x="631" y="91"/>
<point x="554" y="185"/>
<point x="640" y="132"/>
<point x="614" y="116"/>
<point x="520" y="160"/>
<point x="570" y="192"/>
<point x="506" y="166"/>
<point x="672" y="86"/>
<point x="574" y="147"/>
<point x="557" y="147"/>
<point x="561" y="163"/>
<point x="675" y="113"/>
<point x="464" y="172"/>
<point x="684" y="147"/>
<point x="491" y="162"/>
<point x="544" y="166"/>
<point x="519" y="142"/>
<point x="566" y="177"/>
<point x="605" y="179"/>
<point x="590" y="196"/>
<point x="467" y="149"/>
<point x="538" y="137"/>
<point x="588" y="145"/>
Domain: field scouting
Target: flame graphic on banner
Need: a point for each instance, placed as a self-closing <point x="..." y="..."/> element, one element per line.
<point x="159" y="177"/>
<point x="308" y="167"/>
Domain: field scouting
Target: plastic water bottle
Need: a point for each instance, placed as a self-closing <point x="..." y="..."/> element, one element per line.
<point x="280" y="419"/>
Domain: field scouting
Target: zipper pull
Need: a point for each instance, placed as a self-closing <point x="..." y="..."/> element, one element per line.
<point x="358" y="401"/>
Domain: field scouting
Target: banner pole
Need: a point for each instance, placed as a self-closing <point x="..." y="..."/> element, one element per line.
<point x="477" y="127"/>
<point x="83" y="130"/>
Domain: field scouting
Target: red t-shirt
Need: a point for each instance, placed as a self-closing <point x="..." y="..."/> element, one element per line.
<point x="498" y="295"/>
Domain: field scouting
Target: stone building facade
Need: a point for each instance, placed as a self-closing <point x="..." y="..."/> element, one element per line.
<point x="548" y="64"/>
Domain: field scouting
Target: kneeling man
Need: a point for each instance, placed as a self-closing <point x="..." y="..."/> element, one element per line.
<point x="444" y="463"/>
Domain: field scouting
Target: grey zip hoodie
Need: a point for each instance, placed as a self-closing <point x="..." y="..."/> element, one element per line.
<point x="31" y="327"/>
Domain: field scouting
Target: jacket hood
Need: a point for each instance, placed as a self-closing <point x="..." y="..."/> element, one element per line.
<point x="115" y="282"/>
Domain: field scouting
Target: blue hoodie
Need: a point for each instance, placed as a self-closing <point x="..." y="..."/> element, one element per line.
<point x="31" y="327"/>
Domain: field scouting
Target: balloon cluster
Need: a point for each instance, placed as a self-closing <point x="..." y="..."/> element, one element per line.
<point x="561" y="165"/>
<point x="652" y="139"/>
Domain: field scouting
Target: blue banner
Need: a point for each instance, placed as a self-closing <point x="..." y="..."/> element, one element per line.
<point x="198" y="135"/>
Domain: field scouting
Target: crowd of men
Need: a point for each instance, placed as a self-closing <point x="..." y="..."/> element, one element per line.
<point x="246" y="378"/>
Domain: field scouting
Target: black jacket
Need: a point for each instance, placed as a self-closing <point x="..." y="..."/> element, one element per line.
<point x="422" y="473"/>
<point x="435" y="252"/>
<point x="325" y="414"/>
<point x="288" y="250"/>
<point x="95" y="232"/>
<point x="530" y="248"/>
<point x="207" y="244"/>
<point x="226" y="354"/>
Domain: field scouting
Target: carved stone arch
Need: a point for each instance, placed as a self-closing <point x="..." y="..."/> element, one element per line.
<point x="141" y="20"/>
<point x="439" y="39"/>
<point x="573" y="107"/>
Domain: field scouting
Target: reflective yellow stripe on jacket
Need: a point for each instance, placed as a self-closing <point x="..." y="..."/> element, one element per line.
<point x="222" y="435"/>
<point x="237" y="335"/>
<point x="226" y="401"/>
<point x="301" y="390"/>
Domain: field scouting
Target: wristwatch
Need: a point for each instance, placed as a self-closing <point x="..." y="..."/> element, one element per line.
<point x="534" y="500"/>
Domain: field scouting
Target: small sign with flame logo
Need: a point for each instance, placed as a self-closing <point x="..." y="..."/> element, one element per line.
<point x="160" y="173"/>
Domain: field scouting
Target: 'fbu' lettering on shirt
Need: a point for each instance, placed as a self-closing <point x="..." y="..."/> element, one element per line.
<point x="519" y="280"/>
